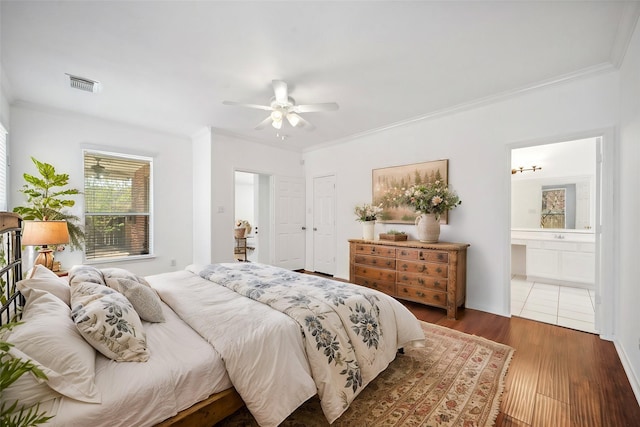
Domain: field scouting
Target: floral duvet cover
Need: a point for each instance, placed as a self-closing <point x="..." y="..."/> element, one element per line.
<point x="344" y="334"/>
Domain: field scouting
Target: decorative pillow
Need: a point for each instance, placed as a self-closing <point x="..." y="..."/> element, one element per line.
<point x="107" y="320"/>
<point x="86" y="273"/>
<point x="121" y="273"/>
<point x="144" y="299"/>
<point x="49" y="338"/>
<point x="42" y="278"/>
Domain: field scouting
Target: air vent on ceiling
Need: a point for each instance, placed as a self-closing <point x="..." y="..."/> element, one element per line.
<point x="83" y="83"/>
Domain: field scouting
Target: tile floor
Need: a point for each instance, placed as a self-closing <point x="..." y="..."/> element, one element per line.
<point x="558" y="305"/>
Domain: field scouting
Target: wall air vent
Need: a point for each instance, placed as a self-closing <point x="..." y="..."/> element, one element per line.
<point x="83" y="83"/>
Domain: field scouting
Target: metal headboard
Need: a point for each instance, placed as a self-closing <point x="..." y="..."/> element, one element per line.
<point x="10" y="266"/>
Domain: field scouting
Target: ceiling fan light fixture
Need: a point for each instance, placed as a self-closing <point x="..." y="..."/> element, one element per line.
<point x="277" y="124"/>
<point x="294" y="119"/>
<point x="276" y="115"/>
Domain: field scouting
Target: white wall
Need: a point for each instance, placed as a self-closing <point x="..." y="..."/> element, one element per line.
<point x="202" y="197"/>
<point x="57" y="137"/>
<point x="4" y="101"/>
<point x="476" y="143"/>
<point x="628" y="316"/>
<point x="228" y="155"/>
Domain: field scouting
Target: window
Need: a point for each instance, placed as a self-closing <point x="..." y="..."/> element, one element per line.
<point x="117" y="194"/>
<point x="553" y="208"/>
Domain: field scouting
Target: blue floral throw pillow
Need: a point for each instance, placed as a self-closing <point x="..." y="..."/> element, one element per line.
<point x="107" y="321"/>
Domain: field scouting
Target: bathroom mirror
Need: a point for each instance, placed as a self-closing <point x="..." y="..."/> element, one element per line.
<point x="553" y="203"/>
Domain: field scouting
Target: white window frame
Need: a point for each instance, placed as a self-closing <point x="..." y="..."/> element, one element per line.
<point x="4" y="169"/>
<point x="123" y="155"/>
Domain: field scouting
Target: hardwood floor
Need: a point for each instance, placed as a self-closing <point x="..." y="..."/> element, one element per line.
<point x="558" y="377"/>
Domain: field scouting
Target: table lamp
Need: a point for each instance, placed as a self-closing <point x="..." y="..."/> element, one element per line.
<point x="43" y="233"/>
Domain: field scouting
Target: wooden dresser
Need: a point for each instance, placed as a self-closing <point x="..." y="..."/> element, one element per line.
<point x="429" y="273"/>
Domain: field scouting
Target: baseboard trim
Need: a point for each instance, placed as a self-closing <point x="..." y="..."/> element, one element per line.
<point x="628" y="369"/>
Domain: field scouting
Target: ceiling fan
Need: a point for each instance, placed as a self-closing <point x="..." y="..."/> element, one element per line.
<point x="282" y="107"/>
<point x="99" y="170"/>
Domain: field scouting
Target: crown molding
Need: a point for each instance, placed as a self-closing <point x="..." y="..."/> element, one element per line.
<point x="626" y="27"/>
<point x="480" y="102"/>
<point x="62" y="111"/>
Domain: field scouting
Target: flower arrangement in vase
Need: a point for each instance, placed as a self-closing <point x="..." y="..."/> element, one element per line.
<point x="431" y="200"/>
<point x="367" y="215"/>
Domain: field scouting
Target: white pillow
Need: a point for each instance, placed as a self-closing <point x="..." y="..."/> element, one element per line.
<point x="49" y="338"/>
<point x="42" y="278"/>
<point x="107" y="320"/>
<point x="144" y="299"/>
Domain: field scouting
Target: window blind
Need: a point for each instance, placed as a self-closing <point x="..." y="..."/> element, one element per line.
<point x="117" y="190"/>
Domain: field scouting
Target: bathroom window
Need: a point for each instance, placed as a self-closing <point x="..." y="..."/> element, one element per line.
<point x="553" y="208"/>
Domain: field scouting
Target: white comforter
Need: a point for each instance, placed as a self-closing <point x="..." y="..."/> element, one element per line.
<point x="264" y="350"/>
<point x="183" y="369"/>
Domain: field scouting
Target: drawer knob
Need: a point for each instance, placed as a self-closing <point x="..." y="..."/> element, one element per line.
<point x="420" y="294"/>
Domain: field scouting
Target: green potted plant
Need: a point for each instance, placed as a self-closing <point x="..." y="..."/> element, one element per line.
<point x="47" y="199"/>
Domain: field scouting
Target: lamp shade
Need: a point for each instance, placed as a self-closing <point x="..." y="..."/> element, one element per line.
<point x="37" y="233"/>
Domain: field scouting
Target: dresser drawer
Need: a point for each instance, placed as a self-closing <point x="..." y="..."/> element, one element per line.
<point x="435" y="298"/>
<point x="426" y="268"/>
<point x="386" y="287"/>
<point x="375" y="261"/>
<point x="375" y="250"/>
<point x="422" y="281"/>
<point x="423" y="255"/>
<point x="375" y="273"/>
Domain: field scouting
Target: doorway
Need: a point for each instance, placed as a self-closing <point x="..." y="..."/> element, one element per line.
<point x="555" y="189"/>
<point x="324" y="241"/>
<point x="253" y="204"/>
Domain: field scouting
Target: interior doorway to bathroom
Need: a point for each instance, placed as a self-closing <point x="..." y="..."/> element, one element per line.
<point x="555" y="189"/>
<point x="253" y="205"/>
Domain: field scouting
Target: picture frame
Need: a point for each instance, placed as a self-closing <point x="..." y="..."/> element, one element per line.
<point x="390" y="182"/>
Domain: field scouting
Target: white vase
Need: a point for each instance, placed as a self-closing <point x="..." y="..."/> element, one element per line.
<point x="428" y="228"/>
<point x="368" y="230"/>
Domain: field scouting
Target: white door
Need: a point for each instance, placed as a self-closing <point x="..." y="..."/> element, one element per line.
<point x="324" y="260"/>
<point x="289" y="234"/>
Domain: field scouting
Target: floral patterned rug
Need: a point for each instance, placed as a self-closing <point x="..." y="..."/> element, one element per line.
<point x="455" y="380"/>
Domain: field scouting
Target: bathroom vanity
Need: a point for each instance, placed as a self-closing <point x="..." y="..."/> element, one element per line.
<point x="563" y="257"/>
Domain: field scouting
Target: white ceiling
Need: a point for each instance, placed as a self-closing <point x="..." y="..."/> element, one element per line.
<point x="168" y="65"/>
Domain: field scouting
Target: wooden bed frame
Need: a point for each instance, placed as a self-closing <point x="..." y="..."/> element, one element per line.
<point x="205" y="413"/>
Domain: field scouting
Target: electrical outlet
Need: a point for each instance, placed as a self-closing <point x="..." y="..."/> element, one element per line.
<point x="173" y="263"/>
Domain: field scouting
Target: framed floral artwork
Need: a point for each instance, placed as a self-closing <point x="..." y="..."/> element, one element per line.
<point x="389" y="184"/>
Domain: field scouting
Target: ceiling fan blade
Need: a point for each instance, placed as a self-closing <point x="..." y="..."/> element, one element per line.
<point x="281" y="91"/>
<point x="240" y="104"/>
<point x="266" y="122"/>
<point x="312" y="108"/>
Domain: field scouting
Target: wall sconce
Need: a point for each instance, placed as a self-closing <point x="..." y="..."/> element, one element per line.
<point x="522" y="169"/>
<point x="43" y="233"/>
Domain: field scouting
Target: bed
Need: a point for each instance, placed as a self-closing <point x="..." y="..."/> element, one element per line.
<point x="230" y="335"/>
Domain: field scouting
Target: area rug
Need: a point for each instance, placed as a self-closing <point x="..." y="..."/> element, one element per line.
<point x="455" y="380"/>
